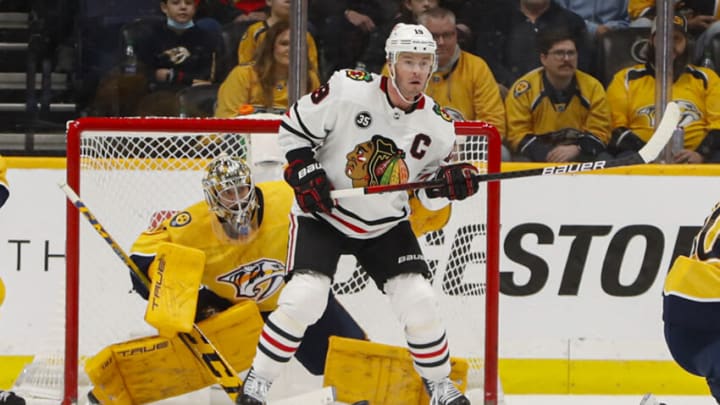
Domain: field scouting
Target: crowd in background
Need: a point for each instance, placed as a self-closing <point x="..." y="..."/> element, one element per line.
<point x="538" y="70"/>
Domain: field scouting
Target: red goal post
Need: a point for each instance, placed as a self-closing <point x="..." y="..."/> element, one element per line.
<point x="109" y="161"/>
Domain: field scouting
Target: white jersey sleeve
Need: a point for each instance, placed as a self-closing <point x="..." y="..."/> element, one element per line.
<point x="361" y="139"/>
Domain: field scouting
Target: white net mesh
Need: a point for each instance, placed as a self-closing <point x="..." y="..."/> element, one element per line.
<point x="130" y="179"/>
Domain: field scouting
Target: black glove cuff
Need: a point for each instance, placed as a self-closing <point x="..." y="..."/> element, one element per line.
<point x="623" y="139"/>
<point x="710" y="144"/>
<point x="534" y="148"/>
<point x="303" y="154"/>
<point x="590" y="144"/>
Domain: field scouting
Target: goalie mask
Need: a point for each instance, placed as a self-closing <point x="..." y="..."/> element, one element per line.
<point x="230" y="194"/>
<point x="409" y="38"/>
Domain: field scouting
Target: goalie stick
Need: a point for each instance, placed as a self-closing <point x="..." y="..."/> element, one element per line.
<point x="195" y="340"/>
<point x="647" y="154"/>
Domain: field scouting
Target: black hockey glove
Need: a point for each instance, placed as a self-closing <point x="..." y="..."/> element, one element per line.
<point x="309" y="181"/>
<point x="459" y="182"/>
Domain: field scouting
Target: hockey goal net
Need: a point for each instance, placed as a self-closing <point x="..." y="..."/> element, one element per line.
<point x="131" y="172"/>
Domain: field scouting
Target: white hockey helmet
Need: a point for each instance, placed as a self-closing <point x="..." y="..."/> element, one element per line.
<point x="230" y="194"/>
<point x="410" y="38"/>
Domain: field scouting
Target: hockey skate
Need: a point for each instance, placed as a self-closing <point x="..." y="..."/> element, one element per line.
<point x="649" y="399"/>
<point x="444" y="392"/>
<point x="10" y="398"/>
<point x="255" y="390"/>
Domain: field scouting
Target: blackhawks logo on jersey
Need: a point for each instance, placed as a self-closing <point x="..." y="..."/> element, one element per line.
<point x="442" y="113"/>
<point x="258" y="280"/>
<point x="359" y="75"/>
<point x="375" y="162"/>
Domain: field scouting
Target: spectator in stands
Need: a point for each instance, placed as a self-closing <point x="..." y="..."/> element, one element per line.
<point x="178" y="53"/>
<point x="463" y="83"/>
<point x="506" y="41"/>
<point x="701" y="15"/>
<point x="373" y="59"/>
<point x="279" y="11"/>
<point x="600" y="16"/>
<point x="631" y="95"/>
<point x="557" y="113"/>
<point x="262" y="85"/>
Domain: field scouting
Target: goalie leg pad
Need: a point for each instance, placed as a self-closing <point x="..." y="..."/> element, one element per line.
<point x="379" y="373"/>
<point x="176" y="274"/>
<point x="155" y="368"/>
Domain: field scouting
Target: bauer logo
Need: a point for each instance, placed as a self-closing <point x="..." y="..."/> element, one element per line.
<point x="409" y="258"/>
<point x="258" y="280"/>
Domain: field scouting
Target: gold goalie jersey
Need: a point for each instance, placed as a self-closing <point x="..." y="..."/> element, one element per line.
<point x="235" y="271"/>
<point x="631" y="96"/>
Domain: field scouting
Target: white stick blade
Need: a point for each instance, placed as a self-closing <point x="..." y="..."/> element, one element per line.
<point x="663" y="133"/>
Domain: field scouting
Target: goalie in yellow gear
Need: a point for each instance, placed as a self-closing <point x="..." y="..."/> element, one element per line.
<point x="233" y="247"/>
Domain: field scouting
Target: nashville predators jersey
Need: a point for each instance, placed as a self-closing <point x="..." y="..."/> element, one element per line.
<point x="533" y="108"/>
<point x="691" y="294"/>
<point x="631" y="95"/>
<point x="254" y="35"/>
<point x="235" y="271"/>
<point x="361" y="140"/>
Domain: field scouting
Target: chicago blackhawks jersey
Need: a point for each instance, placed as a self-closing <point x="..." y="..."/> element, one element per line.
<point x="234" y="271"/>
<point x="361" y="140"/>
<point x="631" y="95"/>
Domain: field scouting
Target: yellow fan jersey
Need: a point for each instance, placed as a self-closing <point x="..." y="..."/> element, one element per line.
<point x="254" y="35"/>
<point x="242" y="87"/>
<point x="631" y="96"/>
<point x="530" y="108"/>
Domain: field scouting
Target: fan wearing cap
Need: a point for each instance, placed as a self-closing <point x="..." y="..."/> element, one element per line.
<point x="358" y="130"/>
<point x="631" y="95"/>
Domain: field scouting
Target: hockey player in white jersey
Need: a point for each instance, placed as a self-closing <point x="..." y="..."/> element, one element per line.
<point x="361" y="129"/>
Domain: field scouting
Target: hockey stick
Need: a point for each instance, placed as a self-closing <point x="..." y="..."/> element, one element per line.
<point x="647" y="154"/>
<point x="196" y="341"/>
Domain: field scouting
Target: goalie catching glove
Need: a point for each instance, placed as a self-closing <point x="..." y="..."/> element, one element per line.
<point x="459" y="184"/>
<point x="309" y="181"/>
